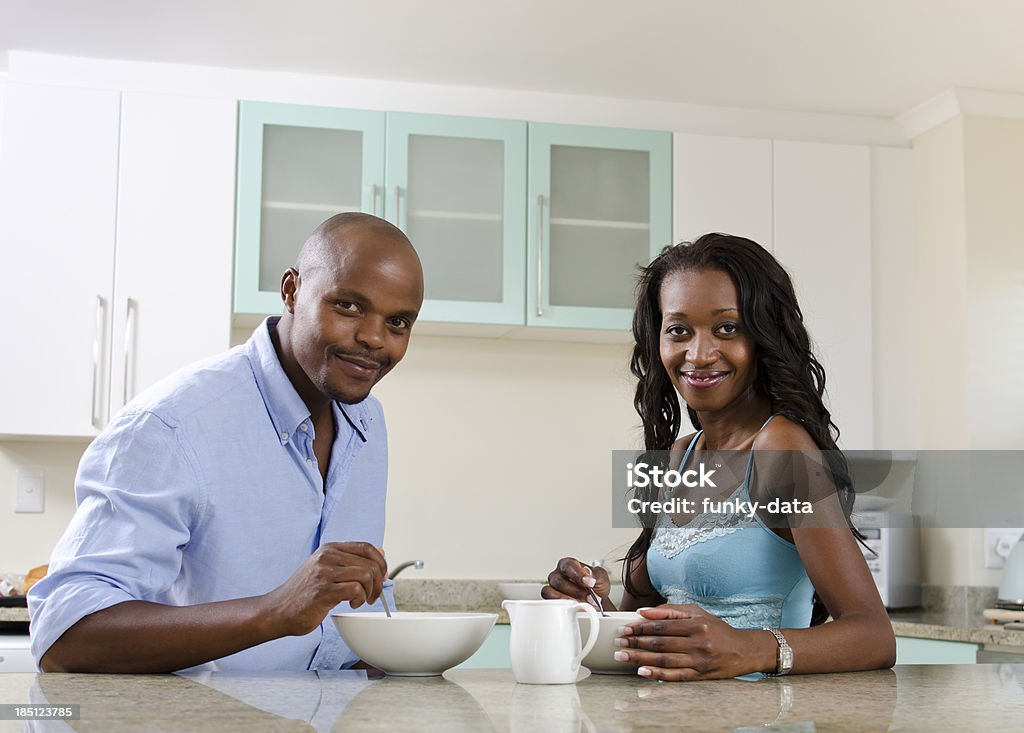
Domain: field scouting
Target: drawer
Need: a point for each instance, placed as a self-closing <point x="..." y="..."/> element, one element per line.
<point x="15" y="655"/>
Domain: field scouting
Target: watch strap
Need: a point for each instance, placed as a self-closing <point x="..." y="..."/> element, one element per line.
<point x="784" y="656"/>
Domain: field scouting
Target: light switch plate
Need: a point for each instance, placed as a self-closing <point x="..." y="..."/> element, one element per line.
<point x="29" y="490"/>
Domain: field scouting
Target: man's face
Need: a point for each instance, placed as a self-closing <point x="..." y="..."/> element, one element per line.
<point x="352" y="317"/>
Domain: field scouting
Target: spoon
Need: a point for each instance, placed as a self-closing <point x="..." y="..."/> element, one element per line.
<point x="597" y="600"/>
<point x="384" y="600"/>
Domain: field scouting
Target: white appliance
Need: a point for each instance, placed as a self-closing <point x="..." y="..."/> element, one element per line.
<point x="1011" y="589"/>
<point x="893" y="554"/>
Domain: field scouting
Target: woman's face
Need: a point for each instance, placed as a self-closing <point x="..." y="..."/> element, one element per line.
<point x="705" y="347"/>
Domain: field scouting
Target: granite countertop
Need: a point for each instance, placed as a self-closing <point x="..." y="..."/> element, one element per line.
<point x="951" y="613"/>
<point x="906" y="698"/>
<point x="954" y="613"/>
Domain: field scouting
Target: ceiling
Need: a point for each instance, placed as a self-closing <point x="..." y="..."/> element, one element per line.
<point x="869" y="57"/>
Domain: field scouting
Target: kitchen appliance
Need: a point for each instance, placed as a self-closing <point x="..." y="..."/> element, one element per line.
<point x="1011" y="588"/>
<point x="893" y="554"/>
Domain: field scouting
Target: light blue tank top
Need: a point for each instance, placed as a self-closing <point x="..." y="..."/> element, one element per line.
<point x="747" y="576"/>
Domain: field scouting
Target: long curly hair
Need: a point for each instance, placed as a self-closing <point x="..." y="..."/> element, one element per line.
<point x="787" y="373"/>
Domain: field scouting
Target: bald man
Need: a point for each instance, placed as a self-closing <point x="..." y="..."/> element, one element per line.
<point x="229" y="510"/>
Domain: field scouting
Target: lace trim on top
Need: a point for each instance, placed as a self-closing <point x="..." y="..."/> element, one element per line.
<point x="739" y="611"/>
<point x="669" y="540"/>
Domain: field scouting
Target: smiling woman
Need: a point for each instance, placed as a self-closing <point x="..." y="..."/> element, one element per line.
<point x="717" y="323"/>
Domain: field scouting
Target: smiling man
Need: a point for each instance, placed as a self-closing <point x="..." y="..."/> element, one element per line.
<point x="228" y="510"/>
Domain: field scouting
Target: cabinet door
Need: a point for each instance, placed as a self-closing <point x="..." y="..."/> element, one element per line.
<point x="722" y="184"/>
<point x="174" y="234"/>
<point x="457" y="187"/>
<point x="599" y="206"/>
<point x="823" y="238"/>
<point x="297" y="166"/>
<point x="58" y="192"/>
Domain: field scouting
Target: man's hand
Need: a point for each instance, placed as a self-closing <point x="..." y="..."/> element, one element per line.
<point x="336" y="572"/>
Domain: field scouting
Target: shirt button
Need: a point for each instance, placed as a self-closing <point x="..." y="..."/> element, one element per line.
<point x="303" y="427"/>
<point x="284" y="437"/>
<point x="309" y="462"/>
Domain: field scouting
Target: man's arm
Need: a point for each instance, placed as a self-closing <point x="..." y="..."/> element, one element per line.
<point x="143" y="637"/>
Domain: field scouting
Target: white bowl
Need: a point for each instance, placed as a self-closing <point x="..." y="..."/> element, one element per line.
<point x="601" y="658"/>
<point x="521" y="591"/>
<point x="414" y="644"/>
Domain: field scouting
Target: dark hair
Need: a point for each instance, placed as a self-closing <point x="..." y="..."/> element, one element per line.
<point x="787" y="374"/>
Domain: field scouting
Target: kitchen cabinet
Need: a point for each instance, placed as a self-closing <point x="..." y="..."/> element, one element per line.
<point x="15" y="653"/>
<point x="822" y="236"/>
<point x="910" y="650"/>
<point x="455" y="185"/>
<point x="722" y="184"/>
<point x="457" y="188"/>
<point x="461" y="189"/>
<point x="297" y="165"/>
<point x="123" y="263"/>
<point x="494" y="652"/>
<point x="600" y="206"/>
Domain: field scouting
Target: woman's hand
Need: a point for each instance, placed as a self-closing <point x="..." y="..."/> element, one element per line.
<point x="677" y="643"/>
<point x="572" y="579"/>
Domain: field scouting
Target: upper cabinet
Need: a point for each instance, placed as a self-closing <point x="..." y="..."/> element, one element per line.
<point x="297" y="166"/>
<point x="456" y="186"/>
<point x="599" y="203"/>
<point x="600" y="207"/>
<point x="124" y="250"/>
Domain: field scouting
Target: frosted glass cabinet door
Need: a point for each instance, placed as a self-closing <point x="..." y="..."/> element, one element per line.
<point x="297" y="166"/>
<point x="457" y="187"/>
<point x="600" y="206"/>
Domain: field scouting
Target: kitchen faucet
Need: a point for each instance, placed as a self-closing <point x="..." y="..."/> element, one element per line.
<point x="403" y="566"/>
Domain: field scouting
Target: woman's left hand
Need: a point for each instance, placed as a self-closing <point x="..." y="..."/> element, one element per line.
<point x="677" y="643"/>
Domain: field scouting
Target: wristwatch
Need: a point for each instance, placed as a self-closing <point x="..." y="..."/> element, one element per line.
<point x="784" y="658"/>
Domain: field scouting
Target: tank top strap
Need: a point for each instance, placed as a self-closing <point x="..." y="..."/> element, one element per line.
<point x="750" y="461"/>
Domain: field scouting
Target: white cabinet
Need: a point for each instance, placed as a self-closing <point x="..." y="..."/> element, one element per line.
<point x="116" y="223"/>
<point x="822" y="213"/>
<point x="58" y="197"/>
<point x="722" y="184"/>
<point x="15" y="655"/>
<point x="810" y="204"/>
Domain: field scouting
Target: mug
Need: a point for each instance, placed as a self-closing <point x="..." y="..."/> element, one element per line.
<point x="601" y="659"/>
<point x="544" y="645"/>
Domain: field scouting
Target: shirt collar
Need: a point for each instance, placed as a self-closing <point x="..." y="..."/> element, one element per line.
<point x="286" y="409"/>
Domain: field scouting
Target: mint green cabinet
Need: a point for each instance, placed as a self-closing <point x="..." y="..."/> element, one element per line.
<point x="910" y="650"/>
<point x="461" y="188"/>
<point x="600" y="206"/>
<point x="297" y="166"/>
<point x="493" y="653"/>
<point x="456" y="186"/>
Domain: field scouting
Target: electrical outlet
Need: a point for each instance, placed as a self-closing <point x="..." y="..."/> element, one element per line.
<point x="29" y="490"/>
<point x="998" y="543"/>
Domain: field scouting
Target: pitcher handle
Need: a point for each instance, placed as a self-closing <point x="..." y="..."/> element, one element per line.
<point x="595" y="628"/>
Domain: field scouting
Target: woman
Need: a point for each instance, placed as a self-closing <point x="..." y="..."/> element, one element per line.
<point x="717" y="322"/>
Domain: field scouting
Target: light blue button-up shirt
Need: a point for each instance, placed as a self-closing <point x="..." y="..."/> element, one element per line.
<point x="205" y="488"/>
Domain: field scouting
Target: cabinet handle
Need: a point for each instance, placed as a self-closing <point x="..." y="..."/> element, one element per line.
<point x="374" y="192"/>
<point x="131" y="313"/>
<point x="97" y="354"/>
<point x="540" y="255"/>
<point x="398" y="206"/>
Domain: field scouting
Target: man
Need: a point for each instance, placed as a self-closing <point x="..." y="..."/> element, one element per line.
<point x="229" y="509"/>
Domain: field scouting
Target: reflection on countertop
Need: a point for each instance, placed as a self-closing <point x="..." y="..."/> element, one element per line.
<point x="907" y="698"/>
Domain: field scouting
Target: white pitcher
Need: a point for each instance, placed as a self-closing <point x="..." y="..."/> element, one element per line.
<point x="545" y="641"/>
